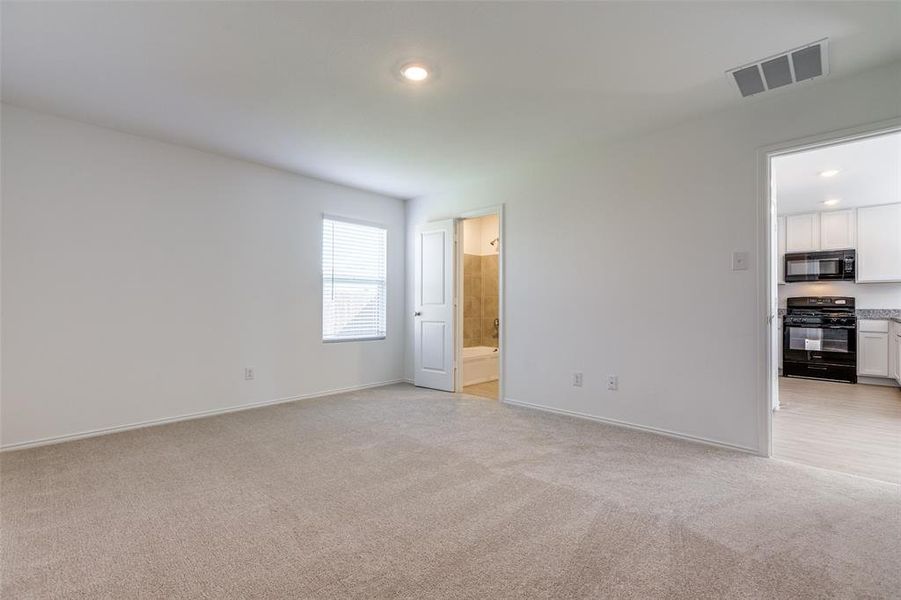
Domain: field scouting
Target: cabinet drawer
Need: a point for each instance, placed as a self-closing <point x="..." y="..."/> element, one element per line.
<point x="872" y="326"/>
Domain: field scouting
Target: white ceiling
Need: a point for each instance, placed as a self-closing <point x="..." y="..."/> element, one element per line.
<point x="869" y="174"/>
<point x="309" y="87"/>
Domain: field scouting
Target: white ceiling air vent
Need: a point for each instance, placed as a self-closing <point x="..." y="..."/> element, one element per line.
<point x="798" y="64"/>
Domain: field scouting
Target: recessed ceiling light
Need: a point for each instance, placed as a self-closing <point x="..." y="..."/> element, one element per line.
<point x="414" y="72"/>
<point x="829" y="173"/>
<point x="832" y="202"/>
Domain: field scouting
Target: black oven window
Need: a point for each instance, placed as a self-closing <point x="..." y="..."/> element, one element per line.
<point x="813" y="339"/>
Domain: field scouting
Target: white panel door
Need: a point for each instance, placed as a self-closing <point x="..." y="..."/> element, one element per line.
<point x="802" y="233"/>
<point x="433" y="316"/>
<point x="879" y="243"/>
<point x="872" y="354"/>
<point x="837" y="230"/>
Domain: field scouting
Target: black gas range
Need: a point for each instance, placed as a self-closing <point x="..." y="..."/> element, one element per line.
<point x="819" y="338"/>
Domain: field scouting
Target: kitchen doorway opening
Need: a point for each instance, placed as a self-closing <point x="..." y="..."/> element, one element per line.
<point x="833" y="274"/>
<point x="479" y="304"/>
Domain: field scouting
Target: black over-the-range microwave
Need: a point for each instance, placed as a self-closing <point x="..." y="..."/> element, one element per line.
<point x="829" y="265"/>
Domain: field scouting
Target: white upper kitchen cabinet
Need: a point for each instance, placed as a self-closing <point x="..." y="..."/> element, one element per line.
<point x="838" y="229"/>
<point x="879" y="243"/>
<point x="802" y="232"/>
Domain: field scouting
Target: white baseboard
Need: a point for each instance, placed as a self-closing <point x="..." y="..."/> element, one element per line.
<point x="187" y="417"/>
<point x="627" y="425"/>
<point x="883" y="381"/>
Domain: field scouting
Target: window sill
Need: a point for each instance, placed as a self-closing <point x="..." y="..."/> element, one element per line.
<point x="360" y="339"/>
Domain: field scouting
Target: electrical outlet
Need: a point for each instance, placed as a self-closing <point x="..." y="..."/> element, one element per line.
<point x="612" y="382"/>
<point x="249" y="373"/>
<point x="577" y="379"/>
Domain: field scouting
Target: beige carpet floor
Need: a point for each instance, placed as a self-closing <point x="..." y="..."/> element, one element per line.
<point x="404" y="493"/>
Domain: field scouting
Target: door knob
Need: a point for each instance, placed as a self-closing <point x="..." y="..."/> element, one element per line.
<point x="417" y="314"/>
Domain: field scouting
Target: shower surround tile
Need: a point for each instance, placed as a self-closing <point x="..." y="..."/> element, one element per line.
<point x="489" y="299"/>
<point x="480" y="300"/>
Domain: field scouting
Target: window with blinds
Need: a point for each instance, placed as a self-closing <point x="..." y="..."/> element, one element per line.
<point x="354" y="289"/>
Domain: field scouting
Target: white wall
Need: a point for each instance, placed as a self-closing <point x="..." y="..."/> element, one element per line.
<point x="478" y="233"/>
<point x="866" y="295"/>
<point x="489" y="233"/>
<point x="140" y="278"/>
<point x="472" y="236"/>
<point x="634" y="241"/>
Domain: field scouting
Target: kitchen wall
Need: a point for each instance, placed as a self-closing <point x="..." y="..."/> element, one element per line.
<point x="867" y="295"/>
<point x="617" y="262"/>
<point x="140" y="278"/>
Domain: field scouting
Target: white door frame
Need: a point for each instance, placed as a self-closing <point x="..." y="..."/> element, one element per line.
<point x="458" y="291"/>
<point x="766" y="278"/>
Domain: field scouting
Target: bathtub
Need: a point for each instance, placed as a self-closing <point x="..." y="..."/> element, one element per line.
<point x="480" y="364"/>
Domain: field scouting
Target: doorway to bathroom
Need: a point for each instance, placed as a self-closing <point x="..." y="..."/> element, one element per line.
<point x="479" y="305"/>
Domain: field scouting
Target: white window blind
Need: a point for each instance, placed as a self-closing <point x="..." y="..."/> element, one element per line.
<point x="354" y="289"/>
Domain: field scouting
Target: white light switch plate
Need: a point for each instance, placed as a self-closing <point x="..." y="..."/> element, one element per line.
<point x="740" y="261"/>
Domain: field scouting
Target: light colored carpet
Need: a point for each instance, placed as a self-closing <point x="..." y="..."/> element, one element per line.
<point x="405" y="493"/>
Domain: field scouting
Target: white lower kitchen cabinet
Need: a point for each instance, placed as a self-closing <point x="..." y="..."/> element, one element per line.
<point x="898" y="357"/>
<point x="895" y="351"/>
<point x="873" y="348"/>
<point x="892" y="350"/>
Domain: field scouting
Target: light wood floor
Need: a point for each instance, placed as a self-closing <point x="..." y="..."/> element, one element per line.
<point x="489" y="389"/>
<point x="854" y="429"/>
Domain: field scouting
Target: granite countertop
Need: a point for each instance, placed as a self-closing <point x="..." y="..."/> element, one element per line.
<point x="879" y="313"/>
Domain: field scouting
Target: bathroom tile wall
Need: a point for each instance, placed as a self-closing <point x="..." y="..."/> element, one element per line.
<point x="480" y="300"/>
<point x="472" y="300"/>
<point x="489" y="299"/>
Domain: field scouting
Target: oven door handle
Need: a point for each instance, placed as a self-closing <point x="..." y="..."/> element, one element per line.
<point x="818" y="325"/>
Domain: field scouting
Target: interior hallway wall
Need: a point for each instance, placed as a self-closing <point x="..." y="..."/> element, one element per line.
<point x="140" y="278"/>
<point x="634" y="241"/>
